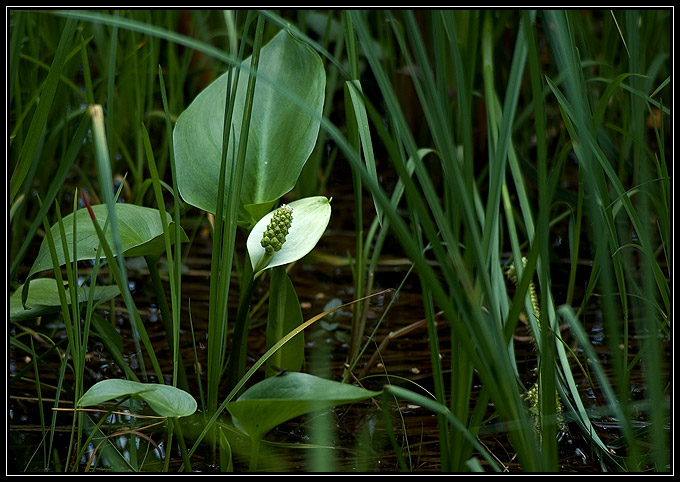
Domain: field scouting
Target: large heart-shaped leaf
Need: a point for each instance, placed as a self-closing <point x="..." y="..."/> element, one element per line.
<point x="140" y="231"/>
<point x="165" y="400"/>
<point x="286" y="115"/>
<point x="276" y="400"/>
<point x="43" y="298"/>
<point x="310" y="219"/>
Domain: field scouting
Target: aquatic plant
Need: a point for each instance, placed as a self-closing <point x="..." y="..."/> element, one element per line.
<point x="482" y="138"/>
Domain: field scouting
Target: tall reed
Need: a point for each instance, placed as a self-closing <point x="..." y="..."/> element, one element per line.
<point x="456" y="212"/>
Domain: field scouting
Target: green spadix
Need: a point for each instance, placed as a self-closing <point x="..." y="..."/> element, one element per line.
<point x="310" y="219"/>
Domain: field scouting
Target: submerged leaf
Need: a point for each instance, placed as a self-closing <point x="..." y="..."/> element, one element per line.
<point x="276" y="400"/>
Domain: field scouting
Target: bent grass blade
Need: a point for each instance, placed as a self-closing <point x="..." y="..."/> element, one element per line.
<point x="209" y="424"/>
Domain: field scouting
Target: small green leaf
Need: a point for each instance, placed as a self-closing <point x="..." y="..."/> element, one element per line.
<point x="276" y="400"/>
<point x="43" y="298"/>
<point x="165" y="400"/>
<point x="141" y="233"/>
<point x="310" y="219"/>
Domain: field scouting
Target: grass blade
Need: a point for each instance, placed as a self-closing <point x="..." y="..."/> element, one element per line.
<point x="39" y="121"/>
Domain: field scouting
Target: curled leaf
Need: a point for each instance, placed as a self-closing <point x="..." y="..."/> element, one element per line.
<point x="140" y="228"/>
<point x="165" y="400"/>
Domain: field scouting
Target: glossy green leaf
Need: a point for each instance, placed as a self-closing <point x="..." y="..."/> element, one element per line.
<point x="310" y="219"/>
<point x="43" y="298"/>
<point x="165" y="400"/>
<point x="141" y="232"/>
<point x="276" y="400"/>
<point x="286" y="115"/>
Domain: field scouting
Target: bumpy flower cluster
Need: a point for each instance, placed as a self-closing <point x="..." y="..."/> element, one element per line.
<point x="511" y="273"/>
<point x="275" y="234"/>
<point x="532" y="394"/>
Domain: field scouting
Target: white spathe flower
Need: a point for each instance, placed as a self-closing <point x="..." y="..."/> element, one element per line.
<point x="310" y="219"/>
